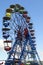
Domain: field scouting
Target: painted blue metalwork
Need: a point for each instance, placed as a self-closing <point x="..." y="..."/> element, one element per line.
<point x="24" y="47"/>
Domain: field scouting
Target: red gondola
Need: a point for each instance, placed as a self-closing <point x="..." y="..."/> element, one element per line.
<point x="7" y="48"/>
<point x="22" y="64"/>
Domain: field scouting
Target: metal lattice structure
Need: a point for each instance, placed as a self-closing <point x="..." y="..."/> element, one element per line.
<point x="18" y="34"/>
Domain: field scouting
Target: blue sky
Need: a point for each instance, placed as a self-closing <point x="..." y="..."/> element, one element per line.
<point x="35" y="10"/>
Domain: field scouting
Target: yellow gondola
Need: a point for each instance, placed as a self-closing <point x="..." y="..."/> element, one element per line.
<point x="8" y="14"/>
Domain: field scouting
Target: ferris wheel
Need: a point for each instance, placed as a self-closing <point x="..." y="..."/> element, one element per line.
<point x="18" y="35"/>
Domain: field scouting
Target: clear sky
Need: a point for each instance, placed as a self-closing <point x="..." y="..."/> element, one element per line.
<point x="35" y="10"/>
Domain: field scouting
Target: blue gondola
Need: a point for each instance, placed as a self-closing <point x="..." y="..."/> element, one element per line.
<point x="6" y="24"/>
<point x="33" y="48"/>
<point x="6" y="36"/>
